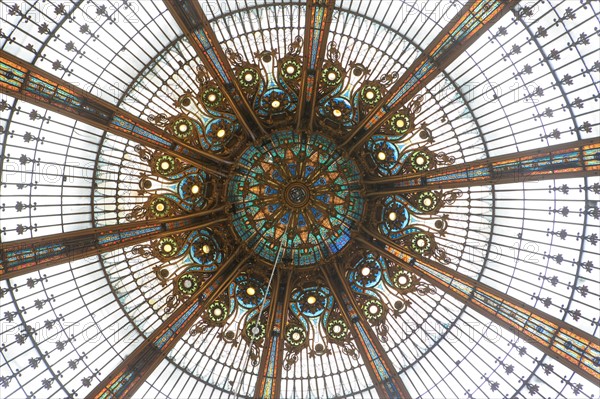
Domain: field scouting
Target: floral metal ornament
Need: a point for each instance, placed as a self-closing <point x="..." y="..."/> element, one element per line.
<point x="314" y="321"/>
<point x="296" y="199"/>
<point x="400" y="146"/>
<point x="413" y="220"/>
<point x="338" y="105"/>
<point x="171" y="188"/>
<point x="270" y="84"/>
<point x="241" y="312"/>
<point x="381" y="288"/>
<point x="188" y="260"/>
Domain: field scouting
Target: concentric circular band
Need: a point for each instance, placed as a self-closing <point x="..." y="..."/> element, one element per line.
<point x="297" y="189"/>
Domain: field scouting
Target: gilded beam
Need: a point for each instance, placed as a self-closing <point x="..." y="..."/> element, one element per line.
<point x="127" y="378"/>
<point x="316" y="30"/>
<point x="386" y="379"/>
<point x="194" y="24"/>
<point x="574" y="348"/>
<point x="29" y="83"/>
<point x="562" y="161"/>
<point x="474" y="19"/>
<point x="34" y="254"/>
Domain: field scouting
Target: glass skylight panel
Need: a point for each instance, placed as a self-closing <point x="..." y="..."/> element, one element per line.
<point x="530" y="109"/>
<point x="525" y="84"/>
<point x="69" y="333"/>
<point x="98" y="46"/>
<point x="47" y="172"/>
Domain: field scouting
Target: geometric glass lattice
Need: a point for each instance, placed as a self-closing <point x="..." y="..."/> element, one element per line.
<point x="299" y="187"/>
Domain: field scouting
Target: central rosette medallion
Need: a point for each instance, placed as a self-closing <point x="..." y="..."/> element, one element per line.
<point x="296" y="195"/>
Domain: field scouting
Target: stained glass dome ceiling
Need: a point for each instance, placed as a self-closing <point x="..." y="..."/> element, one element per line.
<point x="299" y="199"/>
<point x="296" y="198"/>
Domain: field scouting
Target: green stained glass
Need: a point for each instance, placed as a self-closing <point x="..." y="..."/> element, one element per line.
<point x="297" y="189"/>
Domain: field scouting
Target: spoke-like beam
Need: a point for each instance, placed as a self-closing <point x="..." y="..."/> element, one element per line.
<point x="34" y="254"/>
<point x="29" y="83"/>
<point x="316" y="31"/>
<point x="268" y="384"/>
<point x="471" y="22"/>
<point x="195" y="26"/>
<point x="385" y="378"/>
<point x="576" y="159"/>
<point x="565" y="343"/>
<point x="127" y="378"/>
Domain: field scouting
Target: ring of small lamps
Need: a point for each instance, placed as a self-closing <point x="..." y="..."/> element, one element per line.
<point x="392" y="216"/>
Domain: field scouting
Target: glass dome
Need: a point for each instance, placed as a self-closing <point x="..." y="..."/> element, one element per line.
<point x="299" y="199"/>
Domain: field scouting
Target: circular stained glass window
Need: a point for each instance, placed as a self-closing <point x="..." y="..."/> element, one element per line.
<point x="298" y="193"/>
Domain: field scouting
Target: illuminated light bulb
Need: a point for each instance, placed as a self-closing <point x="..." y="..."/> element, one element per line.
<point x="337" y="113"/>
<point x="296" y="336"/>
<point x="373" y="309"/>
<point x="392" y="216"/>
<point x="255" y="330"/>
<point x="420" y="243"/>
<point x="248" y="77"/>
<point x="217" y="312"/>
<point x="381" y="156"/>
<point x="187" y="284"/>
<point x="420" y="160"/>
<point x="370" y="95"/>
<point x="337" y="329"/>
<point x="427" y="201"/>
<point x="195" y="189"/>
<point x="402" y="280"/>
<point x="290" y="69"/>
<point x="365" y="271"/>
<point x="160" y="207"/>
<point x="212" y="98"/>
<point x="164" y="165"/>
<point x="311" y="300"/>
<point x="331" y="76"/>
<point x="167" y="248"/>
<point x="251" y="291"/>
<point x="206" y="248"/>
<point x="221" y="133"/>
<point x="276" y="104"/>
<point x="183" y="127"/>
<point x="400" y="123"/>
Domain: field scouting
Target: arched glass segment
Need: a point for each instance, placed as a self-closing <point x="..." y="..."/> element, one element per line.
<point x="104" y="235"/>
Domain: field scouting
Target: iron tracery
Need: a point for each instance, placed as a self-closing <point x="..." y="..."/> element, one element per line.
<point x="423" y="186"/>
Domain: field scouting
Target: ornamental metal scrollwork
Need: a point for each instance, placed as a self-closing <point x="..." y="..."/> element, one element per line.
<point x="314" y="321"/>
<point x="171" y="188"/>
<point x="339" y="95"/>
<point x="189" y="259"/>
<point x="381" y="288"/>
<point x="236" y="313"/>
